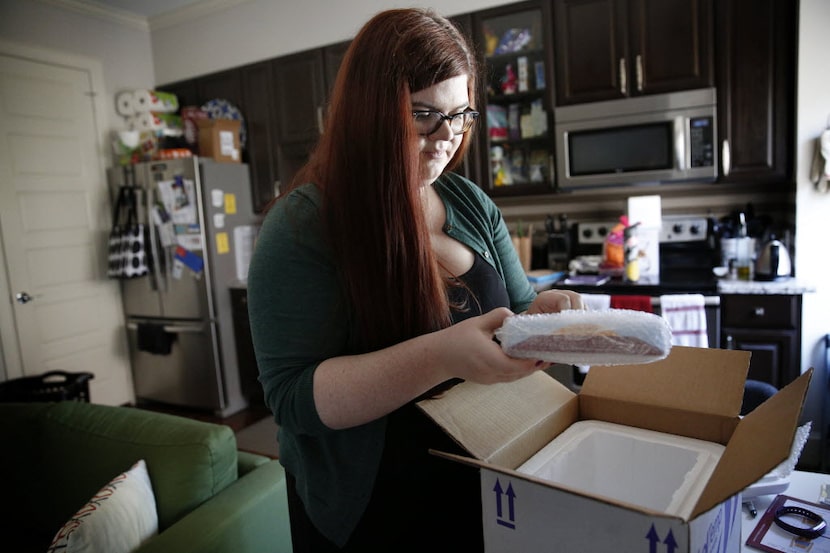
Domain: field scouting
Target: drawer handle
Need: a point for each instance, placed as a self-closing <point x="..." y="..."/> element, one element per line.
<point x="758" y="312"/>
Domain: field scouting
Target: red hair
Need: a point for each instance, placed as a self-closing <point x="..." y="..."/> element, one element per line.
<point x="366" y="165"/>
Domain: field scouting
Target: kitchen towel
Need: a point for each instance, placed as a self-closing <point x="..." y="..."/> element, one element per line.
<point x="637" y="303"/>
<point x="686" y="316"/>
<point x="596" y="302"/>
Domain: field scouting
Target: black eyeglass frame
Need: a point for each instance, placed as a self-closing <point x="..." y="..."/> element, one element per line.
<point x="468" y="119"/>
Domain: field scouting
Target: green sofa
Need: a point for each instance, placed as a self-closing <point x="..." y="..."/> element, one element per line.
<point x="209" y="496"/>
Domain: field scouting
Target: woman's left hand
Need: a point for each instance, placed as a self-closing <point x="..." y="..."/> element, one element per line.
<point x="554" y="301"/>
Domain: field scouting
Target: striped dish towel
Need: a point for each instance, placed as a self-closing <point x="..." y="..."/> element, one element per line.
<point x="686" y="316"/>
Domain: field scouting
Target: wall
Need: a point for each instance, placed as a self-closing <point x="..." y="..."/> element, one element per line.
<point x="124" y="50"/>
<point x="271" y="28"/>
<point x="812" y="207"/>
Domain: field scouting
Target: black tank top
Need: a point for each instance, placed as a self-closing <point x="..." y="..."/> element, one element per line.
<point x="477" y="291"/>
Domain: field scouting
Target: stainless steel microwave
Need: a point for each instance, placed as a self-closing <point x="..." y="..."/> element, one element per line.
<point x="659" y="138"/>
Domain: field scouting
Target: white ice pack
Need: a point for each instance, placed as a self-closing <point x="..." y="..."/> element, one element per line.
<point x="580" y="337"/>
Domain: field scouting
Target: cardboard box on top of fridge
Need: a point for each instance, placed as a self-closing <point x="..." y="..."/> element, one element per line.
<point x="649" y="457"/>
<point x="219" y="139"/>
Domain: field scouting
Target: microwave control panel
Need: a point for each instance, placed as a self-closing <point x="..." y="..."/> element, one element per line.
<point x="701" y="141"/>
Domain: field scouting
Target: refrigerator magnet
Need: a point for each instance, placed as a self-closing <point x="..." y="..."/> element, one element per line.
<point x="192" y="261"/>
<point x="217" y="197"/>
<point x="219" y="220"/>
<point x="222" y="244"/>
<point x="230" y="204"/>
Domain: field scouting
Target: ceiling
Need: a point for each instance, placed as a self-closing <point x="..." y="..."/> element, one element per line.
<point x="146" y="8"/>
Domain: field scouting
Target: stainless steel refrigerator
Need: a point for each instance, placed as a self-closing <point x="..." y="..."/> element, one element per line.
<point x="200" y="233"/>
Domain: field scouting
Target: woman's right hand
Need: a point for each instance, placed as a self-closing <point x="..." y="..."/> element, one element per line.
<point x="467" y="350"/>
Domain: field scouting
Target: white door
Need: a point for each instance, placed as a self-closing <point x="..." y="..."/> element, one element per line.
<point x="54" y="204"/>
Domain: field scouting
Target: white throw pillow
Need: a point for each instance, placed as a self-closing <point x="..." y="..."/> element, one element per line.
<point x="117" y="519"/>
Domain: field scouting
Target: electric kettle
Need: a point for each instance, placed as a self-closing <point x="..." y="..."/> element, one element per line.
<point x="773" y="261"/>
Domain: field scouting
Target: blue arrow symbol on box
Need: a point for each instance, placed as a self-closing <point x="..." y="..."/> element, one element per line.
<point x="511" y="496"/>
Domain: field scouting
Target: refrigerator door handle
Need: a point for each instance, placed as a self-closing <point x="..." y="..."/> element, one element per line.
<point x="175" y="329"/>
<point x="157" y="281"/>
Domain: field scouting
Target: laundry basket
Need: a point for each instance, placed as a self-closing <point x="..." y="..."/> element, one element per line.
<point x="50" y="386"/>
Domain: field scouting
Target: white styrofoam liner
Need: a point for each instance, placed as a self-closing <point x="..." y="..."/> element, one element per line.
<point x="655" y="470"/>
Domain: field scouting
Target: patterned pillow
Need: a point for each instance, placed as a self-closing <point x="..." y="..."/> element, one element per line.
<point x="119" y="518"/>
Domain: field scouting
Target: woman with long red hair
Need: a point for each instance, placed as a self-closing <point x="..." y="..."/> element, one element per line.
<point x="379" y="278"/>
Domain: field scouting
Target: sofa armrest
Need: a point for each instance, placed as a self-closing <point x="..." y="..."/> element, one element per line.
<point x="250" y="515"/>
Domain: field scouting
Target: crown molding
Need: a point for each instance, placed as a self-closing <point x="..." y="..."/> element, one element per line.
<point x="114" y="15"/>
<point x="172" y="18"/>
<point x="187" y="14"/>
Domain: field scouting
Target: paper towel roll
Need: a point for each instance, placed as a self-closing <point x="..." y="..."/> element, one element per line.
<point x="153" y="100"/>
<point x="125" y="103"/>
<point x="151" y="121"/>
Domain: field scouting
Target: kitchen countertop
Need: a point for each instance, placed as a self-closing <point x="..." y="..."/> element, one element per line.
<point x="791" y="286"/>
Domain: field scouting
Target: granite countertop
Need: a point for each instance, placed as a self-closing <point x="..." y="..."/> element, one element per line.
<point x="791" y="286"/>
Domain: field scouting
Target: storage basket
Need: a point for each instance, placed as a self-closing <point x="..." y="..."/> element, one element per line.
<point x="50" y="386"/>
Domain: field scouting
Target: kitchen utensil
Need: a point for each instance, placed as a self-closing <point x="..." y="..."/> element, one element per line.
<point x="773" y="262"/>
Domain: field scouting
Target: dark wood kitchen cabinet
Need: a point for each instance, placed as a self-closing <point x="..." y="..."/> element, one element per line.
<point x="259" y="108"/>
<point x="768" y="326"/>
<point x="515" y="134"/>
<point x="610" y="49"/>
<point x="302" y="84"/>
<point x="756" y="74"/>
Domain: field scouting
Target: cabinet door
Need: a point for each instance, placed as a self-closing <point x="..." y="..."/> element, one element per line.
<point x="610" y="49"/>
<point x="299" y="87"/>
<point x="591" y="50"/>
<point x="774" y="353"/>
<point x="516" y="137"/>
<point x="258" y="108"/>
<point x="756" y="81"/>
<point x="226" y="85"/>
<point x="470" y="165"/>
<point x="769" y="327"/>
<point x="186" y="92"/>
<point x="670" y="45"/>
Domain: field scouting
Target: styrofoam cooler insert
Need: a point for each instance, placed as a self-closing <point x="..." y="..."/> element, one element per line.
<point x="655" y="470"/>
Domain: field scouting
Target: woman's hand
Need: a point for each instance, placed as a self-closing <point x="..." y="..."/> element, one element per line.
<point x="467" y="350"/>
<point x="554" y="301"/>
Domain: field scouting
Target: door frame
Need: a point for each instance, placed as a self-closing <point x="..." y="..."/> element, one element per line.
<point x="11" y="365"/>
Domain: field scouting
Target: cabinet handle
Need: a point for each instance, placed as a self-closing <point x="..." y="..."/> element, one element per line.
<point x="758" y="312"/>
<point x="726" y="157"/>
<point x="623" y="78"/>
<point x="730" y="342"/>
<point x="638" y="68"/>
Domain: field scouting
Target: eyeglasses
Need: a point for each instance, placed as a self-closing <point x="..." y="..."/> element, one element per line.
<point x="427" y="122"/>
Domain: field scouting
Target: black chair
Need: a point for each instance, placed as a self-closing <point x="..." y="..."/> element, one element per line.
<point x="756" y="392"/>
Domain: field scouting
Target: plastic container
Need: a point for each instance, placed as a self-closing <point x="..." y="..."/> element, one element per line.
<point x="50" y="386"/>
<point x="655" y="470"/>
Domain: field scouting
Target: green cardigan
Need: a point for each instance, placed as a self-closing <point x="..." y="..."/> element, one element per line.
<point x="298" y="319"/>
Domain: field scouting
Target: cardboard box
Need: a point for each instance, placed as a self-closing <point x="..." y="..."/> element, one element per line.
<point x="219" y="139"/>
<point x="694" y="393"/>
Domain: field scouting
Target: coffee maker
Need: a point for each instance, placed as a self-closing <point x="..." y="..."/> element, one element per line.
<point x="559" y="242"/>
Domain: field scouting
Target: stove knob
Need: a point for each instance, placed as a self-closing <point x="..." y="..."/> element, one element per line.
<point x="694" y="230"/>
<point x="677" y="228"/>
<point x="602" y="231"/>
<point x="587" y="233"/>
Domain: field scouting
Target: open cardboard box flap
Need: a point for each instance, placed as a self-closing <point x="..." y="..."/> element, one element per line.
<point x="503" y="425"/>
